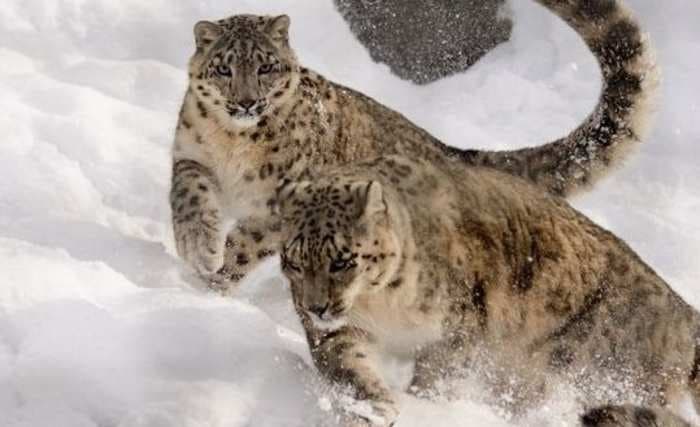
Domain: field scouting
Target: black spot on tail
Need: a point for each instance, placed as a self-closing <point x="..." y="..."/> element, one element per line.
<point x="603" y="135"/>
<point x="618" y="101"/>
<point x="622" y="85"/>
<point x="622" y="43"/>
<point x="596" y="10"/>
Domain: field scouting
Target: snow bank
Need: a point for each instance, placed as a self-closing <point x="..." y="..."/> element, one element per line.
<point x="100" y="325"/>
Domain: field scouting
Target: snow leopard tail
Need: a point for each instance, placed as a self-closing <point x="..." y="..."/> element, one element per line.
<point x="619" y="121"/>
<point x="631" y="416"/>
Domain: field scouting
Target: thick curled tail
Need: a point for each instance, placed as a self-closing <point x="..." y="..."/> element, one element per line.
<point x="630" y="416"/>
<point x="621" y="118"/>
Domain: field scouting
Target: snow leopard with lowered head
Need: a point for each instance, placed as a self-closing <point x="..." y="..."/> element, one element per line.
<point x="473" y="272"/>
<point x="253" y="116"/>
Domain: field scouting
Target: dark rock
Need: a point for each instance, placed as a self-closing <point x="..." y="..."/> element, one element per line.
<point x="425" y="40"/>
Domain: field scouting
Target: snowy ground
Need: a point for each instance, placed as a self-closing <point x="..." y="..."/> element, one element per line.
<point x="99" y="323"/>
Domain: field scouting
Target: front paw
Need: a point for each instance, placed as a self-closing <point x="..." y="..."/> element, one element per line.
<point x="201" y="245"/>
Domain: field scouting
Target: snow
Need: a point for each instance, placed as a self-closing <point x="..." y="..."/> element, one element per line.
<point x="101" y="325"/>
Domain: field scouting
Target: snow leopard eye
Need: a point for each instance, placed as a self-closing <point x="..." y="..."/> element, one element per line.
<point x="265" y="69"/>
<point x="223" y="70"/>
<point x="341" y="265"/>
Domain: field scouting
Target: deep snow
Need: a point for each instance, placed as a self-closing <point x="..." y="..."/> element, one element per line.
<point x="100" y="325"/>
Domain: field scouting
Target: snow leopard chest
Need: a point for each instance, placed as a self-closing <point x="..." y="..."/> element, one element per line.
<point x="399" y="328"/>
<point x="248" y="172"/>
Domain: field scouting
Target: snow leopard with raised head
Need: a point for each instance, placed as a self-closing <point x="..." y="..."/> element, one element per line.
<point x="475" y="273"/>
<point x="252" y="116"/>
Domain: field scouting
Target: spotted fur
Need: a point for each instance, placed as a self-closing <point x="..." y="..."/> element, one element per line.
<point x="253" y="117"/>
<point x="472" y="271"/>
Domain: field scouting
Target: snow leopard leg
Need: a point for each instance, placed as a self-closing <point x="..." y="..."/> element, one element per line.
<point x="251" y="241"/>
<point x="196" y="216"/>
<point x="447" y="359"/>
<point x="347" y="357"/>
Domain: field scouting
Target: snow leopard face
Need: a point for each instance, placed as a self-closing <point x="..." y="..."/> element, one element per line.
<point x="243" y="67"/>
<point x="339" y="245"/>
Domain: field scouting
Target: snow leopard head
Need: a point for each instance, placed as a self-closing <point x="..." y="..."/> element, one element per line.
<point x="243" y="67"/>
<point x="340" y="245"/>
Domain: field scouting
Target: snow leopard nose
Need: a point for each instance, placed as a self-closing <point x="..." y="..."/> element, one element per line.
<point x="247" y="104"/>
<point x="319" y="310"/>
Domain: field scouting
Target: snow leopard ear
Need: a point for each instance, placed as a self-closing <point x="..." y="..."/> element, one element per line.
<point x="373" y="195"/>
<point x="206" y="33"/>
<point x="278" y="28"/>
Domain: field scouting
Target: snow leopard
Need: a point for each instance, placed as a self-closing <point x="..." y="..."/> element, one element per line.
<point x="477" y="274"/>
<point x="253" y="116"/>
